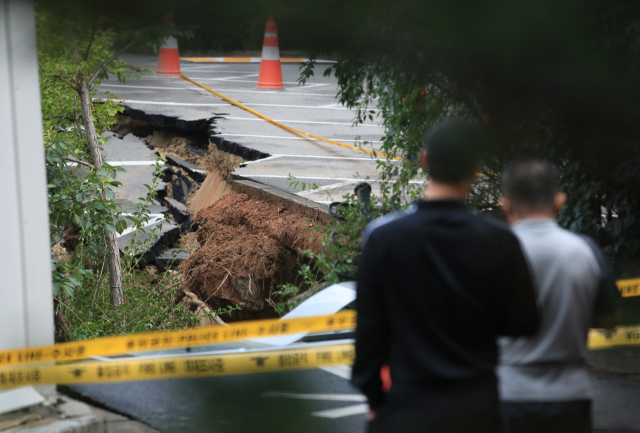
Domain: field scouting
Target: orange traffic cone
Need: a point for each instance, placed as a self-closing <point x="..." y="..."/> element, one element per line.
<point x="270" y="69"/>
<point x="168" y="57"/>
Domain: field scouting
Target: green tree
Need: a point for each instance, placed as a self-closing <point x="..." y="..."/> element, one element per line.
<point x="79" y="44"/>
<point x="547" y="79"/>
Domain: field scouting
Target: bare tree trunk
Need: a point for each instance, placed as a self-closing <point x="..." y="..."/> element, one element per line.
<point x="61" y="320"/>
<point x="115" y="270"/>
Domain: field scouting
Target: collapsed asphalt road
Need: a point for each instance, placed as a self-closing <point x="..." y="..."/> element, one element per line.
<point x="274" y="153"/>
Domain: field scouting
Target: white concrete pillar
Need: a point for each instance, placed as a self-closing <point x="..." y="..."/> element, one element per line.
<point x="26" y="305"/>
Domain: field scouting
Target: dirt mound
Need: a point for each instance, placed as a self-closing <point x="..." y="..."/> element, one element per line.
<point x="249" y="248"/>
<point x="291" y="229"/>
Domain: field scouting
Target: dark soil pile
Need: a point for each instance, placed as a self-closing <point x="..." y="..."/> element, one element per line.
<point x="249" y="247"/>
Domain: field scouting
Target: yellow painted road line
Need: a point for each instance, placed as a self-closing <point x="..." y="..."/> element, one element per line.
<point x="120" y="345"/>
<point x="178" y="366"/>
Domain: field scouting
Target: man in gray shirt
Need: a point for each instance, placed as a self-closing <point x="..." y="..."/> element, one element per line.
<point x="544" y="383"/>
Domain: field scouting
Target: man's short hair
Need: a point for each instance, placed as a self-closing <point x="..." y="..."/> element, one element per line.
<point x="531" y="185"/>
<point x="454" y="150"/>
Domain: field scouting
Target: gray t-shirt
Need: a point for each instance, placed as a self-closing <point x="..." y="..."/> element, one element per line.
<point x="574" y="283"/>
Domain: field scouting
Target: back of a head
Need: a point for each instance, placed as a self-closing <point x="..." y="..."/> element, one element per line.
<point x="531" y="186"/>
<point x="454" y="150"/>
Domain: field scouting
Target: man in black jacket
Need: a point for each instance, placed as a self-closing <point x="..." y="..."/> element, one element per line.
<point x="436" y="285"/>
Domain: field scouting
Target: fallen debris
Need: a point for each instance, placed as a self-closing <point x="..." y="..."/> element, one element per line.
<point x="171" y="259"/>
<point x="181" y="188"/>
<point x="291" y="229"/>
<point x="212" y="189"/>
<point x="249" y="247"/>
<point x="195" y="172"/>
<point x="188" y="241"/>
<point x="167" y="234"/>
<point x="178" y="210"/>
<point x="209" y="314"/>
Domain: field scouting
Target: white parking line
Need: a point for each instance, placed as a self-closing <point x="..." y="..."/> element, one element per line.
<point x="225" y="78"/>
<point x="343" y="371"/>
<point x="204" y="68"/>
<point x="262" y="92"/>
<point x="329" y="397"/>
<point x="270" y="92"/>
<point x="135" y="162"/>
<point x="250" y="104"/>
<point x="120" y="163"/>
<point x="326" y="187"/>
<point x="254" y="82"/>
<point x="324" y="157"/>
<point x="343" y="411"/>
<point x="304" y="86"/>
<point x="151" y="221"/>
<point x="188" y="104"/>
<point x="291" y="138"/>
<point x="219" y="71"/>
<point x="302" y="106"/>
<point x="311" y="122"/>
<point x="261" y="160"/>
<point x="275" y="176"/>
<point x="346" y="158"/>
<point x="133" y="86"/>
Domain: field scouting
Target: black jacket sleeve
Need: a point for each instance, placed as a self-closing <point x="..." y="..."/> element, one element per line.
<point x="521" y="315"/>
<point x="373" y="329"/>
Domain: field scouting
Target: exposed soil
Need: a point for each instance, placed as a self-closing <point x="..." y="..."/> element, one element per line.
<point x="188" y="242"/>
<point x="291" y="229"/>
<point x="193" y="148"/>
<point x="249" y="248"/>
<point x="243" y="248"/>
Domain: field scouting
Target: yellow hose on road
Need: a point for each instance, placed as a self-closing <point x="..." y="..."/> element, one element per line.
<point x="285" y="127"/>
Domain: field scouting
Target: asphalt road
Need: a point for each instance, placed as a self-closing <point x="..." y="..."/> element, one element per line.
<point x="298" y="401"/>
<point x="313" y="401"/>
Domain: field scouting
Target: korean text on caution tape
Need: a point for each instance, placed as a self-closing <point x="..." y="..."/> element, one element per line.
<point x="120" y="345"/>
<point x="605" y="338"/>
<point x="629" y="287"/>
<point x="178" y="366"/>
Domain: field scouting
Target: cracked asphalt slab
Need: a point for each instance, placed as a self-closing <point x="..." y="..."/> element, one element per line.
<point x="311" y="108"/>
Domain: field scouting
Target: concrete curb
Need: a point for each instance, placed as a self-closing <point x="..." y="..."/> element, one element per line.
<point x="61" y="414"/>
<point x="89" y="424"/>
<point x="260" y="191"/>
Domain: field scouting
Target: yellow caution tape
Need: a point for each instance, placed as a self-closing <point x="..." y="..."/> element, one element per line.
<point x="174" y="367"/>
<point x="629" y="287"/>
<point x="119" y="345"/>
<point x="606" y="338"/>
<point x="178" y="366"/>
